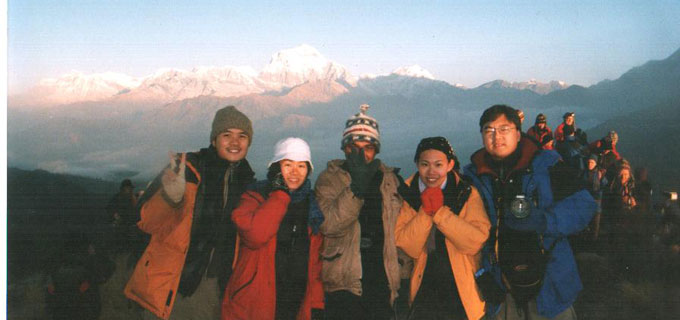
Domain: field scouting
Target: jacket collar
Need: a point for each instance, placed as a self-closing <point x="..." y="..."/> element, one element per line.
<point x="527" y="149"/>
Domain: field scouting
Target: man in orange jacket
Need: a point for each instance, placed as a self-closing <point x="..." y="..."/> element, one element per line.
<point x="188" y="215"/>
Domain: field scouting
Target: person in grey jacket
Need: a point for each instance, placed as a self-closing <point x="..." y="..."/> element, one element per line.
<point x="360" y="203"/>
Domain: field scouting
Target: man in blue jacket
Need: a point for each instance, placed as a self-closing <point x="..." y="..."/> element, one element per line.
<point x="534" y="202"/>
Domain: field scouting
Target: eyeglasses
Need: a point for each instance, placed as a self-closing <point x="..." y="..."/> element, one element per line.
<point x="503" y="130"/>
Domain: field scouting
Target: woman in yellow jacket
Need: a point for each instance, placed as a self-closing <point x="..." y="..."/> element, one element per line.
<point x="442" y="225"/>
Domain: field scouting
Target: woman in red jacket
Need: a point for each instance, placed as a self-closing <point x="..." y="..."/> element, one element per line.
<point x="278" y="269"/>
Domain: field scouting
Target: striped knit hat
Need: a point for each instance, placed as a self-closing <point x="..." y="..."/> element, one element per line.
<point x="361" y="127"/>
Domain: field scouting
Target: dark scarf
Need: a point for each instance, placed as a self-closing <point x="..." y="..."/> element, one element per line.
<point x="315" y="218"/>
<point x="212" y="227"/>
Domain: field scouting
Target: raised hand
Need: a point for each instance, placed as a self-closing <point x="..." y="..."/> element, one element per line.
<point x="432" y="199"/>
<point x="278" y="183"/>
<point x="361" y="172"/>
<point x="173" y="180"/>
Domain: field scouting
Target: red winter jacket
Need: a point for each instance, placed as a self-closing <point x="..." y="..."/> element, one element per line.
<point x="540" y="135"/>
<point x="251" y="291"/>
<point x="559" y="133"/>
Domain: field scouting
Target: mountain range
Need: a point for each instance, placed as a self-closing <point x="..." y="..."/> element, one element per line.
<point x="287" y="69"/>
<point x="115" y="126"/>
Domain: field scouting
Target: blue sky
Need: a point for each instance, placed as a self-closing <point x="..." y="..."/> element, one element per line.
<point x="581" y="42"/>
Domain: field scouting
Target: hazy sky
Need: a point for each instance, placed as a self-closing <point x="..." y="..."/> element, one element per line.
<point x="581" y="42"/>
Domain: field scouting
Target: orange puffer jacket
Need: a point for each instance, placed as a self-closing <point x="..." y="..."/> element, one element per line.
<point x="465" y="235"/>
<point x="154" y="282"/>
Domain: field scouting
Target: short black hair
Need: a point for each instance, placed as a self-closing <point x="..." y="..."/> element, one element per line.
<point x="494" y="112"/>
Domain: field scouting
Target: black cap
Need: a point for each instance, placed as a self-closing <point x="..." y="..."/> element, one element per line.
<point x="567" y="115"/>
<point x="437" y="143"/>
<point x="541" y="118"/>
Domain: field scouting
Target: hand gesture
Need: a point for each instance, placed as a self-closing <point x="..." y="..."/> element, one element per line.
<point x="278" y="183"/>
<point x="361" y="172"/>
<point x="173" y="179"/>
<point x="432" y="199"/>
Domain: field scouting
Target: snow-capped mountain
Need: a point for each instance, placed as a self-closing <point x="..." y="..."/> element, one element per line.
<point x="532" y="85"/>
<point x="287" y="72"/>
<point x="287" y="69"/>
<point x="415" y="71"/>
<point x="292" y="67"/>
<point x="172" y="84"/>
<point x="77" y="86"/>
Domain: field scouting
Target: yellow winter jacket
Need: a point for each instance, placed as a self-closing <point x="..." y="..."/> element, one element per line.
<point x="465" y="235"/>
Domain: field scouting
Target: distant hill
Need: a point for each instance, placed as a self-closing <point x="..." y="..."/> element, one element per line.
<point x="44" y="209"/>
<point x="647" y="85"/>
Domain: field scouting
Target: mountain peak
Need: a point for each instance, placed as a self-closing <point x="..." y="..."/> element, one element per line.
<point x="295" y="66"/>
<point x="415" y="71"/>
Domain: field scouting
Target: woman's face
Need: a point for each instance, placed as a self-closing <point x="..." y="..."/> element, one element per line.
<point x="294" y="173"/>
<point x="433" y="167"/>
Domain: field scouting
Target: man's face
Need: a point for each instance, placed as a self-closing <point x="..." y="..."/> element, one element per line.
<point x="433" y="166"/>
<point x="500" y="137"/>
<point x="569" y="120"/>
<point x="232" y="145"/>
<point x="294" y="173"/>
<point x="541" y="125"/>
<point x="369" y="149"/>
<point x="591" y="164"/>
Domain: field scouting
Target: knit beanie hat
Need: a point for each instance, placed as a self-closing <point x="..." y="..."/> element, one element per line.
<point x="230" y="118"/>
<point x="294" y="149"/>
<point x="593" y="156"/>
<point x="361" y="127"/>
<point x="540" y="118"/>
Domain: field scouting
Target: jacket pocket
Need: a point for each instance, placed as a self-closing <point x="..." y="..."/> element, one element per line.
<point x="243" y="286"/>
<point x="333" y="269"/>
<point x="332" y="249"/>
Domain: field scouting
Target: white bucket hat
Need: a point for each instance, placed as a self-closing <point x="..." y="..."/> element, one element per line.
<point x="294" y="149"/>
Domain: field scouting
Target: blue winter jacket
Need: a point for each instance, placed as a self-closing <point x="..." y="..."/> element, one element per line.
<point x="562" y="283"/>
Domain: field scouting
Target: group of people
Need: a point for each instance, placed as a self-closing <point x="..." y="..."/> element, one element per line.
<point x="624" y="202"/>
<point x="489" y="241"/>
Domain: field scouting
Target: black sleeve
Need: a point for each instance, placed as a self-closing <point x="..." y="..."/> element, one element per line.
<point x="564" y="180"/>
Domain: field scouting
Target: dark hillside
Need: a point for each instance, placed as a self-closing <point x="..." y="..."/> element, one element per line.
<point x="44" y="209"/>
